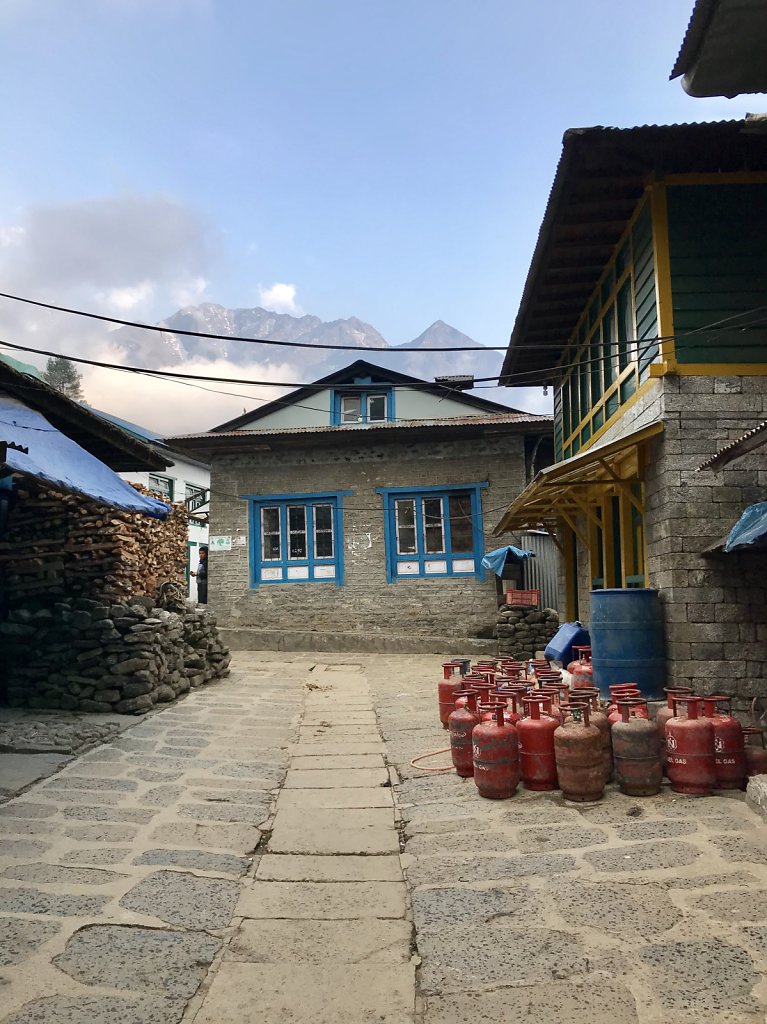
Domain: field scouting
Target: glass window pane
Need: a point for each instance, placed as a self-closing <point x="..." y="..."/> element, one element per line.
<point x="405" y="515"/>
<point x="350" y="409"/>
<point x="323" y="531"/>
<point x="584" y="383"/>
<point x="434" y="534"/>
<point x="323" y="517"/>
<point x="461" y="531"/>
<point x="297" y="531"/>
<point x="595" y="366"/>
<point x="376" y="408"/>
<point x="271" y="548"/>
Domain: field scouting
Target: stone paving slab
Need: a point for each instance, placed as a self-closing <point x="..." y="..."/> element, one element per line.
<point x="595" y="1001"/>
<point x="328" y="778"/>
<point x="310" y="993"/>
<point x="322" y="942"/>
<point x="348" y="831"/>
<point x="308" y="868"/>
<point x="362" y="796"/>
<point x="302" y="762"/>
<point x="324" y="900"/>
<point x="331" y="749"/>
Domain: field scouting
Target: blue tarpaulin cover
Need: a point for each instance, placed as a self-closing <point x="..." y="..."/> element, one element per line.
<point x="496" y="559"/>
<point x="750" y="529"/>
<point x="60" y="461"/>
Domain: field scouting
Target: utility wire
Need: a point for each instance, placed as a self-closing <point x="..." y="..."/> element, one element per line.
<point x="251" y="341"/>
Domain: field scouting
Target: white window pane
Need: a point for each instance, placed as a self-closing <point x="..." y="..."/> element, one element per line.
<point x="271" y="574"/>
<point x="376" y="408"/>
<point x="324" y="572"/>
<point x="463" y="565"/>
<point x="434" y="532"/>
<point x="408" y="568"/>
<point x="298" y="572"/>
<point x="351" y="411"/>
<point x="435" y="568"/>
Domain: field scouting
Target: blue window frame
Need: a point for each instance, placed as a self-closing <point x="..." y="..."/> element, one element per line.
<point x="296" y="538"/>
<point x="431" y="532"/>
<point x="365" y="402"/>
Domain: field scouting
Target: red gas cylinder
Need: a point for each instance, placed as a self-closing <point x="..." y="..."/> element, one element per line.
<point x="537" y="765"/>
<point x="577" y="656"/>
<point x="756" y="754"/>
<point x="636" y="753"/>
<point x="553" y="709"/>
<point x="690" y="749"/>
<point x="621" y="690"/>
<point x="667" y="712"/>
<point x="582" y="671"/>
<point x="600" y="720"/>
<point x="637" y="710"/>
<point x="461" y="725"/>
<point x="578" y="753"/>
<point x="496" y="757"/>
<point x="451" y="682"/>
<point x="509" y="699"/>
<point x="729" y="752"/>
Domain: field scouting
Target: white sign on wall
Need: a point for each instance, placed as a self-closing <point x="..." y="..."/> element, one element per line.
<point x="220" y="543"/>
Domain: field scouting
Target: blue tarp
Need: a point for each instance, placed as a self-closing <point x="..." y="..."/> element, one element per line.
<point x="750" y="529"/>
<point x="496" y="559"/>
<point x="58" y="460"/>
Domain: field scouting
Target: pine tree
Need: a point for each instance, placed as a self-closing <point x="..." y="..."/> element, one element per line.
<point x="63" y="375"/>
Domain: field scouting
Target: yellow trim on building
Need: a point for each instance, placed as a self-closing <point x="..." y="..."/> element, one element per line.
<point x="662" y="261"/>
<point x="721" y="369"/>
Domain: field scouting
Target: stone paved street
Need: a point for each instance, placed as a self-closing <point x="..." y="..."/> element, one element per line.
<point x="236" y="857"/>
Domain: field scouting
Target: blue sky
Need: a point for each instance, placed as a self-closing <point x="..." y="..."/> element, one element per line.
<point x="384" y="160"/>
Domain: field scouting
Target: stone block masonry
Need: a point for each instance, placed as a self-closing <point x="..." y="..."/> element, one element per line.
<point x="522" y="631"/>
<point x="366" y="613"/>
<point x="81" y="655"/>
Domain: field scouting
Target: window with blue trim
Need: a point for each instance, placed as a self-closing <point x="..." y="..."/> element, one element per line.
<point x="296" y="538"/>
<point x="433" y="531"/>
<point x="370" y="404"/>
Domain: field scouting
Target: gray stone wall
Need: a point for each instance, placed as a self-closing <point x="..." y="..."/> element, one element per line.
<point x="715" y="605"/>
<point x="367" y="613"/>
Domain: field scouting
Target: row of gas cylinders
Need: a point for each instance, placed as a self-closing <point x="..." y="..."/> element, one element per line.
<point x="511" y="722"/>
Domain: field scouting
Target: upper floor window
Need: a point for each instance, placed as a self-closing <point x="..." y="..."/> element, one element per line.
<point x="296" y="538"/>
<point x="368" y="405"/>
<point x="162" y="485"/>
<point x="433" y="531"/>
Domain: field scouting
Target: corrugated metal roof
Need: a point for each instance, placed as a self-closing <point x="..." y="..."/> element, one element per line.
<point x="743" y="445"/>
<point x="445" y="421"/>
<point x="699" y="20"/>
<point x="724" y="50"/>
<point x="600" y="178"/>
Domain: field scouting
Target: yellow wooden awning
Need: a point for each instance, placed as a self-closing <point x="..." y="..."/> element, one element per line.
<point x="567" y="489"/>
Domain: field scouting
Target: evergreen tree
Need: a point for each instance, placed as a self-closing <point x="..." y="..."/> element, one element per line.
<point x="63" y="375"/>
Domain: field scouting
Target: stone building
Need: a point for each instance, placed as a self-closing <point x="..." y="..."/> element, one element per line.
<point x="352" y="514"/>
<point x="644" y="307"/>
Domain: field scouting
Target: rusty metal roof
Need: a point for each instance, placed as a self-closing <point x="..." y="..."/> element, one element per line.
<point x="601" y="176"/>
<point x="219" y="439"/>
<point x="743" y="445"/>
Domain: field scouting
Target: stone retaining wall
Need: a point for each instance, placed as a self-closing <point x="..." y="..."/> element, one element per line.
<point x="522" y="631"/>
<point x="81" y="655"/>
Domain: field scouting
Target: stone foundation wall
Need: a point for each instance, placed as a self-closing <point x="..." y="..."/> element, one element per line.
<point x="81" y="655"/>
<point x="522" y="631"/>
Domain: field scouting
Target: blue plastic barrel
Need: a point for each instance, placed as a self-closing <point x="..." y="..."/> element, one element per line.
<point x="627" y="640"/>
<point x="560" y="647"/>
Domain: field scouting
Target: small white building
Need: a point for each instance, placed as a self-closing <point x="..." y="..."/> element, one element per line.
<point x="185" y="480"/>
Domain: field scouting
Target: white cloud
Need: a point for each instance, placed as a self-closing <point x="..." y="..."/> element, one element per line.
<point x="128" y="300"/>
<point x="280" y="298"/>
<point x="189" y="293"/>
<point x="11" y="235"/>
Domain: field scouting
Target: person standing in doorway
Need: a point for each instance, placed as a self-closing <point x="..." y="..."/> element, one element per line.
<point x="202" y="577"/>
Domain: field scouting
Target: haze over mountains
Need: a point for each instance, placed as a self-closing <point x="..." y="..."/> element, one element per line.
<point x="170" y="349"/>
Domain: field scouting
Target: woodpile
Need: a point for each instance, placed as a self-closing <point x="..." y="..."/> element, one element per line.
<point x="61" y="545"/>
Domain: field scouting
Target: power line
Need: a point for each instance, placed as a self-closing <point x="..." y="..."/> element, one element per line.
<point x="250" y="341"/>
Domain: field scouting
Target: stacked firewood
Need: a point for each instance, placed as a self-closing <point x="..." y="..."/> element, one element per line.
<point x="64" y="545"/>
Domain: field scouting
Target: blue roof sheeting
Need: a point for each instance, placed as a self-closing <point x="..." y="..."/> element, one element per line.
<point x="750" y="530"/>
<point x="60" y="461"/>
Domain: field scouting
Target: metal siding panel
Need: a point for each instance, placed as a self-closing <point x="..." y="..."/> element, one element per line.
<point x="541" y="572"/>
